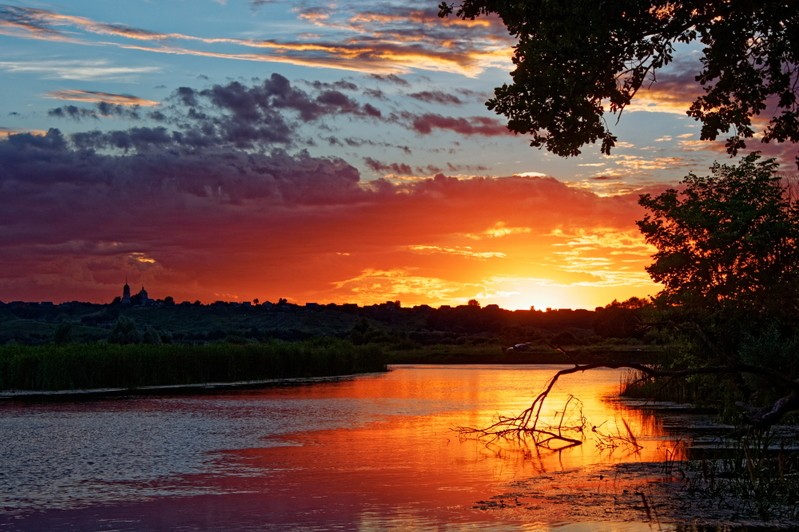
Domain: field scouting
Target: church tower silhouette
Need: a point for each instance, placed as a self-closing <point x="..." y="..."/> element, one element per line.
<point x="126" y="293"/>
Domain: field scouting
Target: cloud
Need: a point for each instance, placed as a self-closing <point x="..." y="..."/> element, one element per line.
<point x="25" y="21"/>
<point x="100" y="97"/>
<point x="392" y="78"/>
<point x="402" y="283"/>
<point x="475" y="125"/>
<point x="439" y="97"/>
<point x="259" y="116"/>
<point x="387" y="40"/>
<point x="341" y="84"/>
<point x="73" y="112"/>
<point x="499" y="230"/>
<point x="465" y="251"/>
<point x="6" y="132"/>
<point x="673" y="92"/>
<point x="88" y="70"/>
<point x="391" y="168"/>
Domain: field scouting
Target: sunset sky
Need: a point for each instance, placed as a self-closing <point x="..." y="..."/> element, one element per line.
<point x="317" y="151"/>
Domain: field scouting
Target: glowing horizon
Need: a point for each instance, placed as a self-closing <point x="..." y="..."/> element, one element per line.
<point x="269" y="150"/>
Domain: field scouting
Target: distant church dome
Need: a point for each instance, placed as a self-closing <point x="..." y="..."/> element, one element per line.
<point x="141" y="298"/>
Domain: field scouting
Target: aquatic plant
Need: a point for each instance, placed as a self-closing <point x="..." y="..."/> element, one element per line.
<point x="755" y="471"/>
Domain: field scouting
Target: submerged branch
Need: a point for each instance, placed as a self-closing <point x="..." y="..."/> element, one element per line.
<point x="526" y="426"/>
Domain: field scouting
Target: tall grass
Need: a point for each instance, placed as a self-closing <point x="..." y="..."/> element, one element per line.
<point x="85" y="366"/>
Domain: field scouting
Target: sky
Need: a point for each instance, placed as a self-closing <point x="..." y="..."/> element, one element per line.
<point x="314" y="151"/>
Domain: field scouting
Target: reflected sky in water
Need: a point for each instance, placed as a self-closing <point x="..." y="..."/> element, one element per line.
<point x="372" y="452"/>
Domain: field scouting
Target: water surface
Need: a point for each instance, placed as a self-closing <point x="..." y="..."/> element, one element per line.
<point x="373" y="452"/>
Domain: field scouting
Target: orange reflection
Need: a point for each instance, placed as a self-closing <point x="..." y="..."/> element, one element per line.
<point x="410" y="467"/>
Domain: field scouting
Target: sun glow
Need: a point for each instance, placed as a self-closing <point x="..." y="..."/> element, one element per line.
<point x="517" y="293"/>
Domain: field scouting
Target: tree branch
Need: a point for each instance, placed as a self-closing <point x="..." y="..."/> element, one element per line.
<point x="526" y="424"/>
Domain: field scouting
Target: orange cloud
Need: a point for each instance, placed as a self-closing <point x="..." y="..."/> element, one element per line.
<point x="499" y="230"/>
<point x="373" y="46"/>
<point x="97" y="97"/>
<point x="7" y="132"/>
<point x="465" y="251"/>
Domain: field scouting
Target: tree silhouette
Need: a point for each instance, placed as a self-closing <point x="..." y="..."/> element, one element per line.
<point x="727" y="240"/>
<point x="575" y="60"/>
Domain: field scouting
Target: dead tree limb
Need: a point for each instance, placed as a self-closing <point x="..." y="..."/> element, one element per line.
<point x="526" y="426"/>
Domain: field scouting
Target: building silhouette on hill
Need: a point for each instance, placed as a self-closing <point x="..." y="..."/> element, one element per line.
<point x="138" y="299"/>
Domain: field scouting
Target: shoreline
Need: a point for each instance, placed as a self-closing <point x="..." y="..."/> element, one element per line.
<point x="421" y="359"/>
<point x="170" y="389"/>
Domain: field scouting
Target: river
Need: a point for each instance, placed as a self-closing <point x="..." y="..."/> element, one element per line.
<point x="372" y="452"/>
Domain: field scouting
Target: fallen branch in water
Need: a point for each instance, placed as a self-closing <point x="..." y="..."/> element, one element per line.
<point x="527" y="425"/>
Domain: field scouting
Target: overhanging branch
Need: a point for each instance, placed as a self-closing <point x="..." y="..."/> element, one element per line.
<point x="526" y="425"/>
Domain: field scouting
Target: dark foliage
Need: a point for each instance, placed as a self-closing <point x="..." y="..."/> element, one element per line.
<point x="728" y="258"/>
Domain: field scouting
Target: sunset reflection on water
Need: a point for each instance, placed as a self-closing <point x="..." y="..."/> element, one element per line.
<point x="414" y="467"/>
<point x="373" y="452"/>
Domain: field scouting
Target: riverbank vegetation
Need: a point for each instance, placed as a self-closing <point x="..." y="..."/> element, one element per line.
<point x="91" y="366"/>
<point x="728" y="259"/>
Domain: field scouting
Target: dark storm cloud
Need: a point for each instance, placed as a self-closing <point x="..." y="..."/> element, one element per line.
<point x="472" y="169"/>
<point x="203" y="154"/>
<point x="187" y="96"/>
<point x="232" y="116"/>
<point x="121" y="111"/>
<point x="206" y="150"/>
<point x="371" y="110"/>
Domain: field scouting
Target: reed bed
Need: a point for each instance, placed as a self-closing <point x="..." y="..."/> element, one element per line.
<point x="100" y="365"/>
